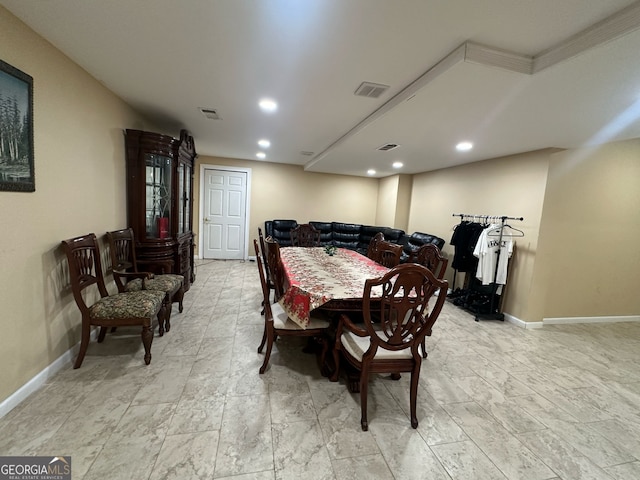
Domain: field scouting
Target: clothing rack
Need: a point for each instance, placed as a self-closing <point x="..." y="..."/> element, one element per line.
<point x="494" y="286"/>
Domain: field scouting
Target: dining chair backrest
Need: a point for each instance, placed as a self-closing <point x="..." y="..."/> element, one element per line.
<point x="403" y="316"/>
<point x="373" y="251"/>
<point x="305" y="235"/>
<point x="389" y="254"/>
<point x="430" y="256"/>
<point x="264" y="255"/>
<point x="274" y="263"/>
<point x="268" y="315"/>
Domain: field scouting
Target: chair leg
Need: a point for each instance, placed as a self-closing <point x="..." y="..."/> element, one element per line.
<point x="102" y="334"/>
<point x="424" y="348"/>
<point x="167" y="315"/>
<point x="336" y="363"/>
<point x="264" y="339"/>
<point x="178" y="297"/>
<point x="84" y="343"/>
<point x="415" y="377"/>
<point x="267" y="355"/>
<point x="364" y="384"/>
<point x="147" y="339"/>
<point x="162" y="314"/>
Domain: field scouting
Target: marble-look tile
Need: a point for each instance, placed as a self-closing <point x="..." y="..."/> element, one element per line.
<point x="504" y="409"/>
<point x="142" y="422"/>
<point x="187" y="455"/>
<point x="466" y="460"/>
<point x="299" y="451"/>
<point x="561" y="456"/>
<point x="624" y="434"/>
<point x="89" y="424"/>
<point x="400" y="446"/>
<point x="443" y="389"/>
<point x="25" y="434"/>
<point x="434" y="423"/>
<point x="597" y="448"/>
<point x="291" y="407"/>
<point x="214" y="357"/>
<point x="201" y="405"/>
<point x="133" y="460"/>
<point x="245" y="436"/>
<point x="625" y="471"/>
<point x="362" y="468"/>
<point x="502" y="448"/>
<point x="343" y="433"/>
<point x="265" y="475"/>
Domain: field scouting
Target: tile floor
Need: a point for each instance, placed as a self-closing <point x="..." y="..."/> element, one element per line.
<point x="495" y="401"/>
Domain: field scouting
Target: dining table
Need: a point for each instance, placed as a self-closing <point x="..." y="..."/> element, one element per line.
<point x="317" y="278"/>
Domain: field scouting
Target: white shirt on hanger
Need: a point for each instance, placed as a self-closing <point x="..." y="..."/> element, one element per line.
<point x="486" y="250"/>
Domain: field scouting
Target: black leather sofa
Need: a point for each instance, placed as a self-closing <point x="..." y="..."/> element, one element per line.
<point x="353" y="236"/>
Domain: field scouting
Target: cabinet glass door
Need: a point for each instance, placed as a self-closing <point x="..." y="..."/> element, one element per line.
<point x="184" y="196"/>
<point x="187" y="198"/>
<point x="158" y="196"/>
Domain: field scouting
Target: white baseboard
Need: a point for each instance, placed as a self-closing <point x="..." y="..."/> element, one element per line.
<point x="521" y="323"/>
<point x="611" y="319"/>
<point x="41" y="378"/>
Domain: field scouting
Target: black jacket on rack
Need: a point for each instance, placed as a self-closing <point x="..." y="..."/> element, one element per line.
<point x="464" y="240"/>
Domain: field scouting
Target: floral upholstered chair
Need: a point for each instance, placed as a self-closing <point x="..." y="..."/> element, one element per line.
<point x="129" y="279"/>
<point x="122" y="309"/>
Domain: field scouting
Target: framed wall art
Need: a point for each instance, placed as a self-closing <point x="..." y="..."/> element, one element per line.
<point x="16" y="130"/>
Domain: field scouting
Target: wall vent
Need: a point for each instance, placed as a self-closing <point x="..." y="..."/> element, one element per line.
<point x="371" y="90"/>
<point x="387" y="146"/>
<point x="210" y="113"/>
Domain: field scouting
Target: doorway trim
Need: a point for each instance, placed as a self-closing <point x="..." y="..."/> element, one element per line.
<point x="247" y="204"/>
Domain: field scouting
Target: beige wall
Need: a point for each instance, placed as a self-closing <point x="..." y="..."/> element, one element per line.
<point x="80" y="188"/>
<point x="387" y="201"/>
<point x="512" y="186"/>
<point x="287" y="191"/>
<point x="588" y="261"/>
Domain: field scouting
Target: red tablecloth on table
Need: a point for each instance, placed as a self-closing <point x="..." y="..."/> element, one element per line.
<point x="314" y="278"/>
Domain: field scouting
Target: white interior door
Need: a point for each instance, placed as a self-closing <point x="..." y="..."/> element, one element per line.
<point x="224" y="219"/>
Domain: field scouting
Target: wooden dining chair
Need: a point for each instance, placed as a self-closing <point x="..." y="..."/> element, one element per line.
<point x="263" y="253"/>
<point x="389" y="254"/>
<point x="305" y="235"/>
<point x="129" y="279"/>
<point x="273" y="264"/>
<point x="373" y="251"/>
<point x="390" y="343"/>
<point x="277" y="323"/>
<point x="429" y="255"/>
<point x="122" y="309"/>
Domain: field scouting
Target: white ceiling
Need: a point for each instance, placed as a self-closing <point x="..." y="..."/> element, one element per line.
<point x="167" y="58"/>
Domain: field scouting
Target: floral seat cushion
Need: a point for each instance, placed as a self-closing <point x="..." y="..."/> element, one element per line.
<point x="160" y="283"/>
<point x="142" y="304"/>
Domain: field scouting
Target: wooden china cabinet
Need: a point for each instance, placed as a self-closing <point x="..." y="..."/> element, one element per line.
<point x="159" y="201"/>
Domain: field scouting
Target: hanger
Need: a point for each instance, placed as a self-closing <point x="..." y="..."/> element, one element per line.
<point x="515" y="232"/>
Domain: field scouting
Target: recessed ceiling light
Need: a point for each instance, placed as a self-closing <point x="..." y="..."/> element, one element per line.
<point x="397" y="164"/>
<point x="464" y="146"/>
<point x="268" y="105"/>
<point x="371" y="171"/>
<point x="264" y="143"/>
<point x="261" y="155"/>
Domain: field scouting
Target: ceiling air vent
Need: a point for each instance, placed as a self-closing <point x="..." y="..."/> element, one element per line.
<point x="371" y="90"/>
<point x="388" y="146"/>
<point x="306" y="153"/>
<point x="210" y="113"/>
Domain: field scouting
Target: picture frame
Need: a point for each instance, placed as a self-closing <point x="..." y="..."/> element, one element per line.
<point x="16" y="130"/>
